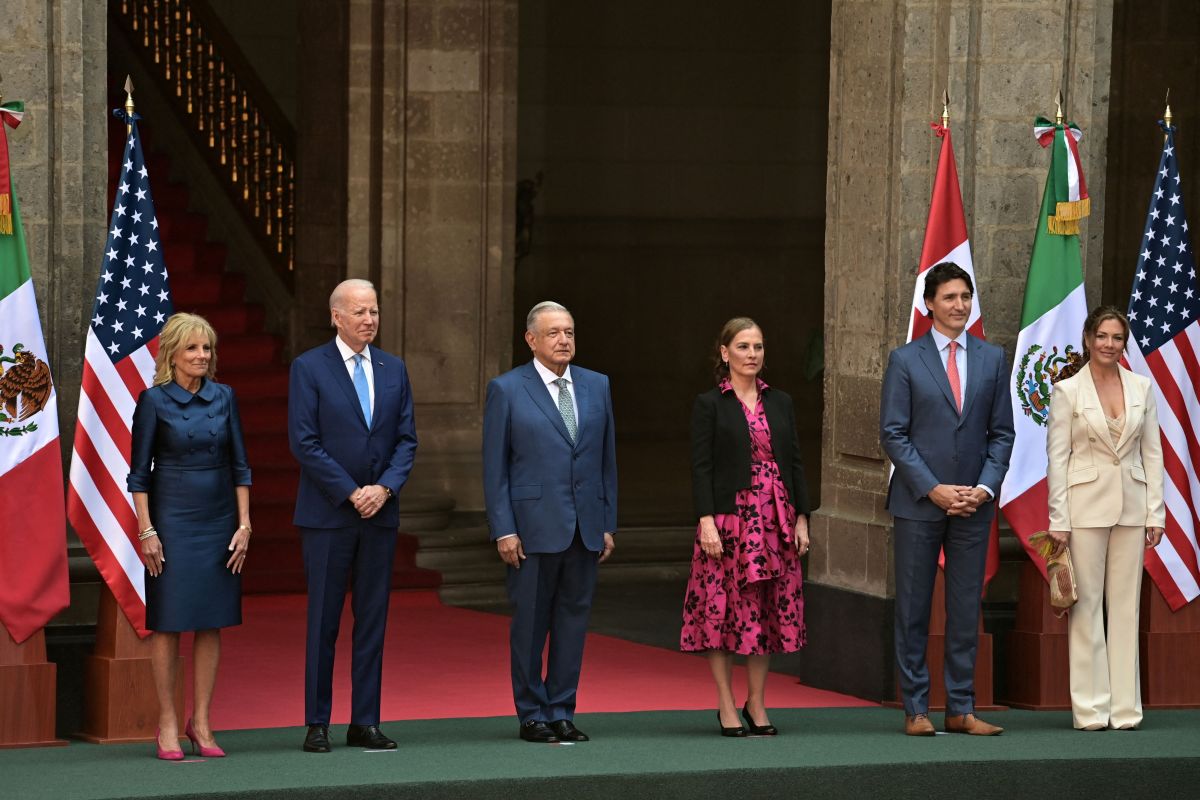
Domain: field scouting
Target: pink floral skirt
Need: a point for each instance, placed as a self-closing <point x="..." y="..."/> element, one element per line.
<point x="749" y="601"/>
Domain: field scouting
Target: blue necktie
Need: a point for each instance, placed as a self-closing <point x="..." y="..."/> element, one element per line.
<point x="360" y="386"/>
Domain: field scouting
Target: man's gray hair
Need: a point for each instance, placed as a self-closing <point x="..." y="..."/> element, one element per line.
<point x="339" y="291"/>
<point x="544" y="307"/>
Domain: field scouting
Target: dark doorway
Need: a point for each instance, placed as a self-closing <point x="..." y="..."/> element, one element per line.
<point x="681" y="149"/>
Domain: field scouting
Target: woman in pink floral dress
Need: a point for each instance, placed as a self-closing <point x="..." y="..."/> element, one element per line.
<point x="745" y="592"/>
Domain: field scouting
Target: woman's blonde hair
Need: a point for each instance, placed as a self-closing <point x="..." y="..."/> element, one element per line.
<point x="175" y="333"/>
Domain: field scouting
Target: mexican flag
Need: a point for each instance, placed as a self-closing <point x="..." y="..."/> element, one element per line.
<point x="33" y="523"/>
<point x="1051" y="326"/>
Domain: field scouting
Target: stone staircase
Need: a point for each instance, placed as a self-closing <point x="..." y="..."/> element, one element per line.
<point x="472" y="574"/>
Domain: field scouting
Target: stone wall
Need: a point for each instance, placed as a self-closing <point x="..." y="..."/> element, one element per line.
<point x="432" y="157"/>
<point x="53" y="56"/>
<point x="1002" y="63"/>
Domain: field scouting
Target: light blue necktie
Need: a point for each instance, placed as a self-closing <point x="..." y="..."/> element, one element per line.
<point x="565" y="406"/>
<point x="360" y="386"/>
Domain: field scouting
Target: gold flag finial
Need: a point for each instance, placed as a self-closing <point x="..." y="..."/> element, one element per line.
<point x="1058" y="113"/>
<point x="128" y="104"/>
<point x="1167" y="114"/>
<point x="945" y="108"/>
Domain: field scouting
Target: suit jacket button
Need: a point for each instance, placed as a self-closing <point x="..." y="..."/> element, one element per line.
<point x="1117" y="462"/>
<point x="1091" y="438"/>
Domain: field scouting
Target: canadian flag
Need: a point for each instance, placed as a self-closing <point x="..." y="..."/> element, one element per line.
<point x="946" y="240"/>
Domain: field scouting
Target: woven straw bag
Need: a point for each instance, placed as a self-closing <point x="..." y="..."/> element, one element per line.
<point x="1059" y="572"/>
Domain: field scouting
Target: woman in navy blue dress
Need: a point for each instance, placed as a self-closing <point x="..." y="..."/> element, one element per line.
<point x="191" y="490"/>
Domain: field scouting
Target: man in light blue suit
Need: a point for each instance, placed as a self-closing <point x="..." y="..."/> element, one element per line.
<point x="550" y="486"/>
<point x="946" y="423"/>
<point x="350" y="426"/>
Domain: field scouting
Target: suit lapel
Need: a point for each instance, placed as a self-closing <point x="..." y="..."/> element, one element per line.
<point x="974" y="373"/>
<point x="933" y="362"/>
<point x="541" y="398"/>
<point x="1133" y="408"/>
<point x="581" y="402"/>
<point x="341" y="377"/>
<point x="379" y="378"/>
<point x="1093" y="412"/>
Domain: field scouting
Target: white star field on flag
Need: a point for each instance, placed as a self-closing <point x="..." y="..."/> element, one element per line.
<point x="133" y="299"/>
<point x="1164" y="299"/>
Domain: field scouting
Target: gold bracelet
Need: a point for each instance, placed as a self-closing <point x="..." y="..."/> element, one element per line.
<point x="146" y="534"/>
<point x="246" y="527"/>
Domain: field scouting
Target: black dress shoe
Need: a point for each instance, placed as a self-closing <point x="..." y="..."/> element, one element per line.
<point x="737" y="732"/>
<point x="566" y="731"/>
<point x="317" y="739"/>
<point x="537" y="731"/>
<point x="368" y="736"/>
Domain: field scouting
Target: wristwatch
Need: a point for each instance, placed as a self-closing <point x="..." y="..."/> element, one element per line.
<point x="390" y="493"/>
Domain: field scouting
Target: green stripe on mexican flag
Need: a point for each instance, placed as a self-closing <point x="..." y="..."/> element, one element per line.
<point x="1051" y="328"/>
<point x="33" y="543"/>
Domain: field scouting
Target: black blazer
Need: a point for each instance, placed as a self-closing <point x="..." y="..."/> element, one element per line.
<point x="721" y="450"/>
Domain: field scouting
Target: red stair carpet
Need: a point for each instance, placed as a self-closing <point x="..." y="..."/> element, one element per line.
<point x="251" y="361"/>
<point x="445" y="662"/>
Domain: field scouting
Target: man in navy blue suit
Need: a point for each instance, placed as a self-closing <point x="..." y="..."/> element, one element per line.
<point x="350" y="425"/>
<point x="550" y="485"/>
<point x="946" y="423"/>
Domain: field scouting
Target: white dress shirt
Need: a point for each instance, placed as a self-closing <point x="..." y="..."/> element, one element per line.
<point x="348" y="357"/>
<point x="960" y="359"/>
<point x="549" y="379"/>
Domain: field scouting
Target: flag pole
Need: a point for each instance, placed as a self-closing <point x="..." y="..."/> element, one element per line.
<point x="945" y="108"/>
<point x="1167" y="114"/>
<point x="1058" y="112"/>
<point x="128" y="104"/>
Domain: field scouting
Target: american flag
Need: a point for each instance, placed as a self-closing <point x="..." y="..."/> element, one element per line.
<point x="1164" y="311"/>
<point x="133" y="300"/>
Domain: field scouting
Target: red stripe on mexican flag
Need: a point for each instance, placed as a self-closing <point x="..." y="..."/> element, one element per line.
<point x="33" y="525"/>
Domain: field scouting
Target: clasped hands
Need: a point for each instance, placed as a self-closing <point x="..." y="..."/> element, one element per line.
<point x="368" y="500"/>
<point x="958" y="501"/>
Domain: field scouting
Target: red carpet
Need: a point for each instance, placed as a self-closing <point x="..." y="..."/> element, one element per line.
<point x="441" y="661"/>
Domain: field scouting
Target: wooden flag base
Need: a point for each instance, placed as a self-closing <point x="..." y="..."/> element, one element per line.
<point x="120" y="703"/>
<point x="27" y="686"/>
<point x="1038" y="668"/>
<point x="935" y="658"/>
<point x="1170" y="650"/>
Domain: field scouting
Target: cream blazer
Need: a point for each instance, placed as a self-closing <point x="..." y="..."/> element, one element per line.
<point x="1091" y="483"/>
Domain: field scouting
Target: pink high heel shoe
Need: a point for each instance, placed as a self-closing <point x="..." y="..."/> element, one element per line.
<point x="205" y="752"/>
<point x="166" y="755"/>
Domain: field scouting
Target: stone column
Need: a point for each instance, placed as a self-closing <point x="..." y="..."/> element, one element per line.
<point x="53" y="55"/>
<point x="430" y="218"/>
<point x="1002" y="63"/>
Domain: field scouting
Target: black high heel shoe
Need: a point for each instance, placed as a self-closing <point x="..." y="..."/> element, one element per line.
<point x="757" y="730"/>
<point x="739" y="731"/>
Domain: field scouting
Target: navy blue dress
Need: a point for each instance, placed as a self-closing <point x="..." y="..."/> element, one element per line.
<point x="188" y="455"/>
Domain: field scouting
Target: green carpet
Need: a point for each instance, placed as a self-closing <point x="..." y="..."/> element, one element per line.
<point x="841" y="753"/>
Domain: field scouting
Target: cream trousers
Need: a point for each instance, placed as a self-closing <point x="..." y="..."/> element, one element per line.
<point x="1105" y="681"/>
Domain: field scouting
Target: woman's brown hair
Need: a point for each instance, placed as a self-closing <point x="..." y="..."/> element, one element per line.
<point x="1098" y="316"/>
<point x="731" y="329"/>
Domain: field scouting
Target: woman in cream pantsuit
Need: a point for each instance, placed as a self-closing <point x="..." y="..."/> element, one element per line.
<point x="1105" y="481"/>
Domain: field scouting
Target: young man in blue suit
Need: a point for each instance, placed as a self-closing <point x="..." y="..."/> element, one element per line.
<point x="350" y="425"/>
<point x="946" y="423"/>
<point x="550" y="486"/>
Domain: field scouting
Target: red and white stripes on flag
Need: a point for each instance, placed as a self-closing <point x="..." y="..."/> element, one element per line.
<point x="1164" y="309"/>
<point x="946" y="240"/>
<point x="98" y="504"/>
<point x="133" y="300"/>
